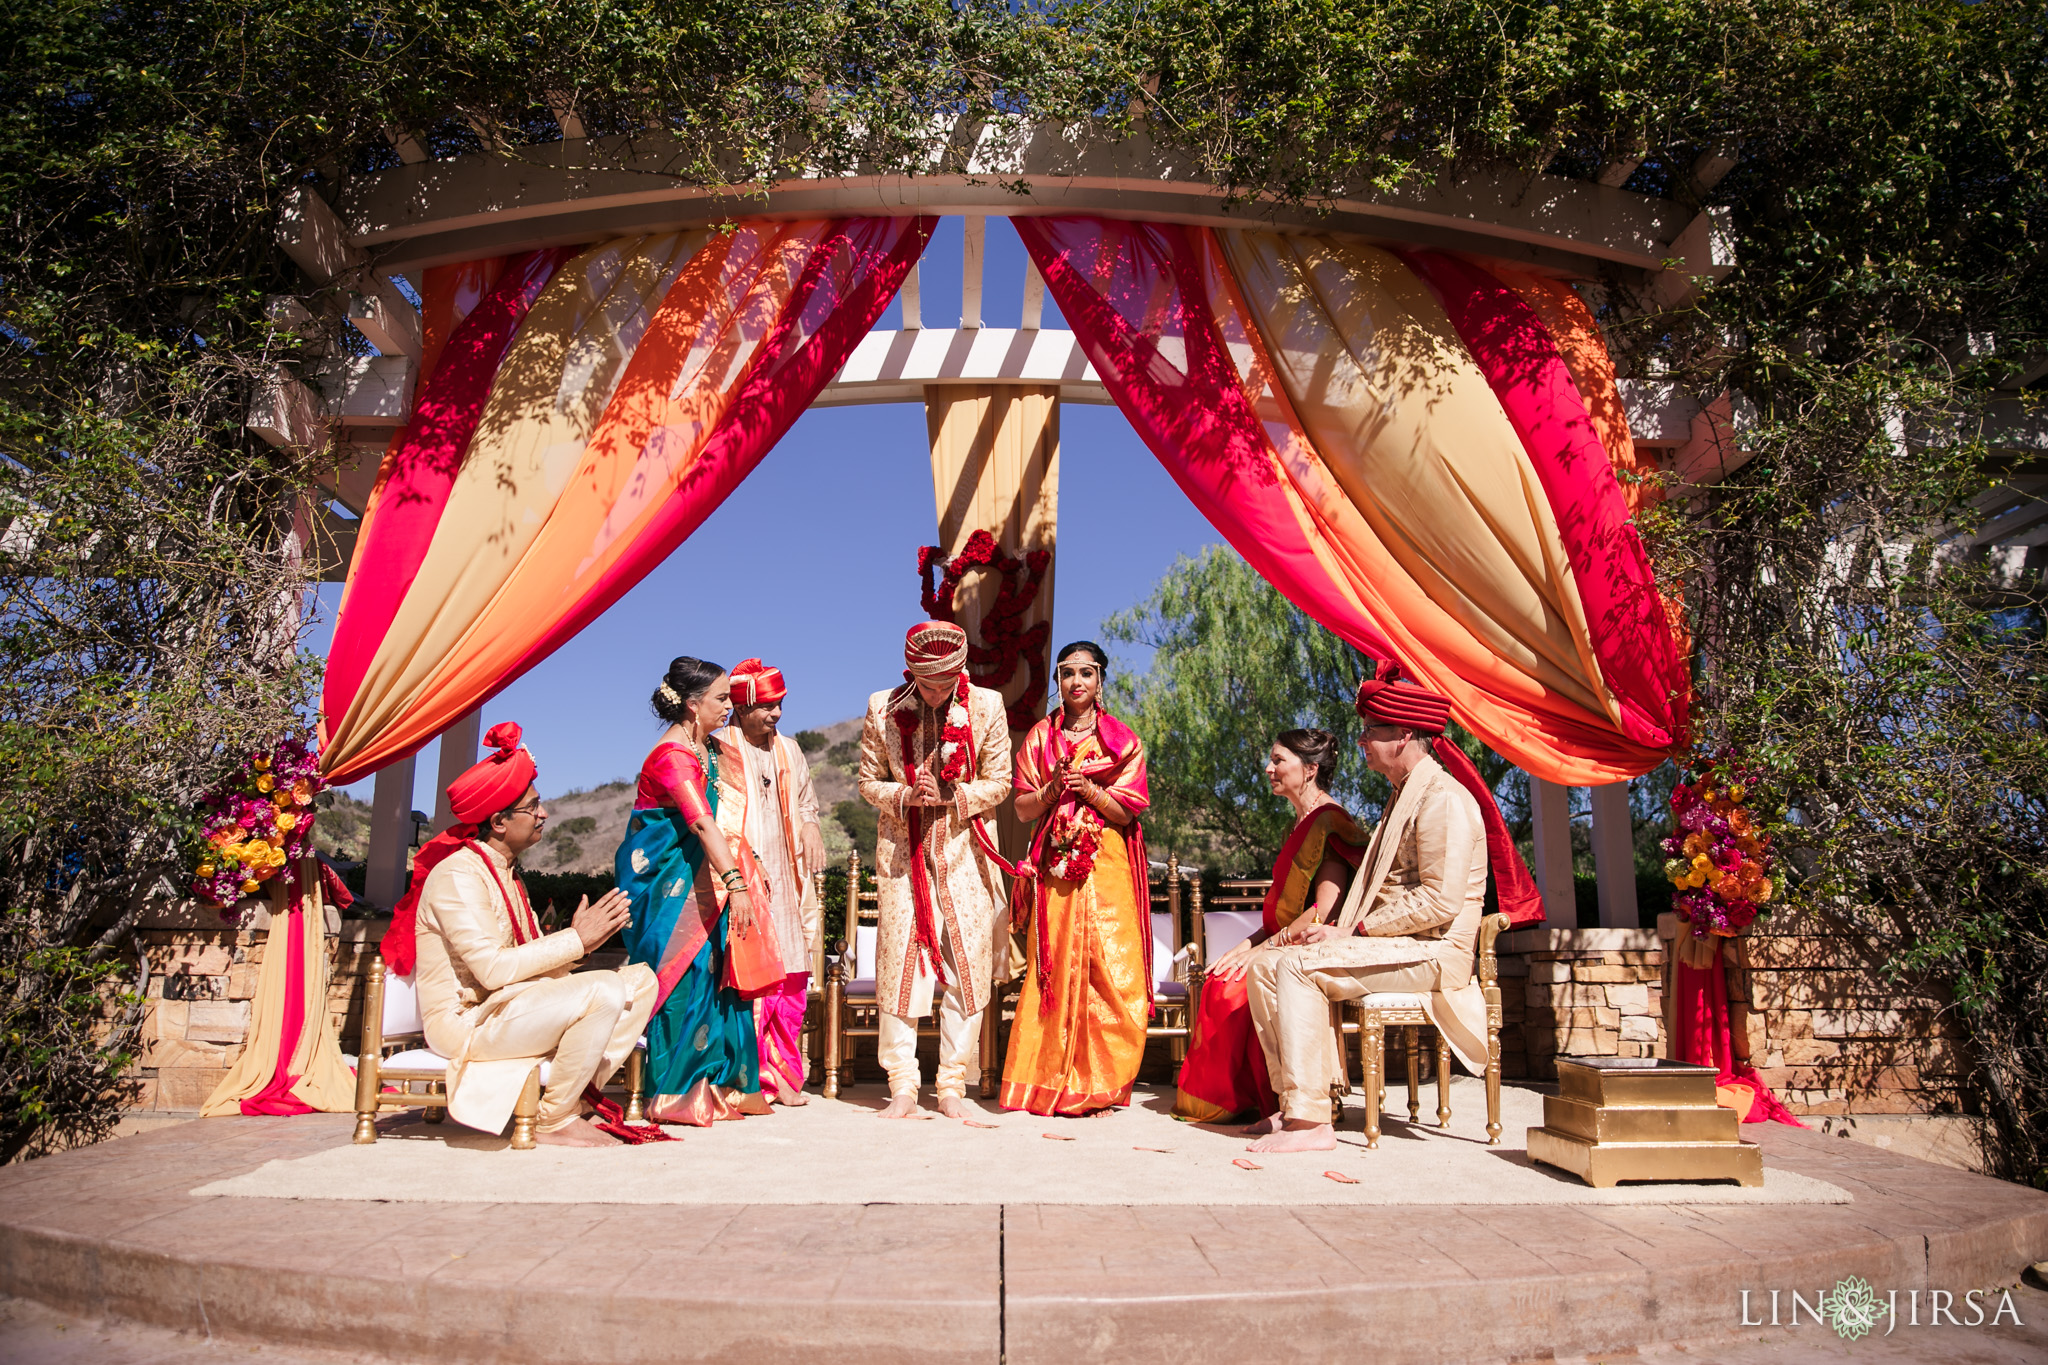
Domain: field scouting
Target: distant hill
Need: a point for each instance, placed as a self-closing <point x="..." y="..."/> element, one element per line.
<point x="585" y="827"/>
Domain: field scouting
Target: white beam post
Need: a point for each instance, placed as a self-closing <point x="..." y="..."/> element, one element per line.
<point x="390" y="834"/>
<point x="1034" y="296"/>
<point x="1614" y="856"/>
<point x="913" y="310"/>
<point x="1550" y="811"/>
<point x="970" y="270"/>
<point x="458" y="756"/>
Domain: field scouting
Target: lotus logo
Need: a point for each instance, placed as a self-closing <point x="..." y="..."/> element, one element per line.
<point x="1853" y="1309"/>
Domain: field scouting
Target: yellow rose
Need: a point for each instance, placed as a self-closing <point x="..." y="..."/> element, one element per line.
<point x="206" y="869"/>
<point x="1763" y="892"/>
<point x="286" y="820"/>
<point x="1736" y="791"/>
<point x="250" y="885"/>
<point x="262" y="764"/>
<point x="265" y="782"/>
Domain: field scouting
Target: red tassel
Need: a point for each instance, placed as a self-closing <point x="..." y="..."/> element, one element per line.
<point x="1520" y="901"/>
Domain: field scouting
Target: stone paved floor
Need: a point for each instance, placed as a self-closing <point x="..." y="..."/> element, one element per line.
<point x="113" y="1230"/>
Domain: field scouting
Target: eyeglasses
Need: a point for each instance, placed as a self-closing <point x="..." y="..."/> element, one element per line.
<point x="533" y="810"/>
<point x="1397" y="729"/>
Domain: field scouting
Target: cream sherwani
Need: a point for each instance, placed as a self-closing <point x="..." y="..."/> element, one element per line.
<point x="757" y="789"/>
<point x="1409" y="922"/>
<point x="495" y="1007"/>
<point x="966" y="886"/>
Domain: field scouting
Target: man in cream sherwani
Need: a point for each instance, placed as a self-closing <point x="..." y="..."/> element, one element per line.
<point x="1409" y="922"/>
<point x="496" y="993"/>
<point x="934" y="761"/>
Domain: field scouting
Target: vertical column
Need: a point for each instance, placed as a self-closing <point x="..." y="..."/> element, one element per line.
<point x="996" y="468"/>
<point x="390" y="834"/>
<point x="458" y="756"/>
<point x="1614" y="856"/>
<point x="1550" y="811"/>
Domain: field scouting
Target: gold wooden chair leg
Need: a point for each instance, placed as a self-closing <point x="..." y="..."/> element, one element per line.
<point x="1443" y="1080"/>
<point x="1493" y="1087"/>
<point x="1372" y="1049"/>
<point x="835" y="1023"/>
<point x="636" y="1086"/>
<point x="525" y="1112"/>
<point x="368" y="1082"/>
<point x="1413" y="1037"/>
<point x="990" y="1073"/>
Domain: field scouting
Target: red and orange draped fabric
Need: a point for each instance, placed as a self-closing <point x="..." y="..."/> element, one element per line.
<point x="587" y="411"/>
<point x="1418" y="451"/>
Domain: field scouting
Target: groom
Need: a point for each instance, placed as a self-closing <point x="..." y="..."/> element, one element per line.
<point x="934" y="760"/>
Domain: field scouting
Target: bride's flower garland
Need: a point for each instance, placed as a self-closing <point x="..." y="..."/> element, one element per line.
<point x="1074" y="846"/>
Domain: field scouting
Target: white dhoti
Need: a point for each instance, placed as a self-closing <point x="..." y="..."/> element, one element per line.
<point x="1290" y="1004"/>
<point x="583" y="1025"/>
<point x="959" y="1039"/>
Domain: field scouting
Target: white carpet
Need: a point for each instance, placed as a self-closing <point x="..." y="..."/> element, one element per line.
<point x="838" y="1152"/>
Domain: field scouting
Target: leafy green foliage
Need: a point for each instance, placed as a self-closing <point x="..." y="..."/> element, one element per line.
<point x="67" y="1031"/>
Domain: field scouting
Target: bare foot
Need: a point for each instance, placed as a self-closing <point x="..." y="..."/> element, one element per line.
<point x="953" y="1107"/>
<point x="901" y="1107"/>
<point x="576" y="1133"/>
<point x="1263" y="1126"/>
<point x="1296" y="1136"/>
<point x="789" y="1095"/>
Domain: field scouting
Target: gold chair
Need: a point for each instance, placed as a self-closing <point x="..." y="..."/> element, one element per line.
<point x="1403" y="1010"/>
<point x="851" y="1010"/>
<point x="391" y="1017"/>
<point x="1177" y="961"/>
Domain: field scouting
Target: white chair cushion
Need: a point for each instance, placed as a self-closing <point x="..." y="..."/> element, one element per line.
<point x="1225" y="929"/>
<point x="1391" y="1000"/>
<point x="862" y="988"/>
<point x="864" y="954"/>
<point x="1162" y="947"/>
<point x="423" y="1061"/>
<point x="401" y="1006"/>
<point x="1170" y="990"/>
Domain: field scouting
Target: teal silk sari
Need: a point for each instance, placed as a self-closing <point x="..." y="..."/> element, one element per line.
<point x="702" y="1030"/>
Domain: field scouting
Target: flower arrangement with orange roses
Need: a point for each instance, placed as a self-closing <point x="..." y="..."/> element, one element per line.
<point x="1718" y="856"/>
<point x="258" y="823"/>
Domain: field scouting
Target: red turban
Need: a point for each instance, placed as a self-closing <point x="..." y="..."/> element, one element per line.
<point x="756" y="684"/>
<point x="489" y="787"/>
<point x="1390" y="699"/>
<point x="497" y="782"/>
<point x="934" y="649"/>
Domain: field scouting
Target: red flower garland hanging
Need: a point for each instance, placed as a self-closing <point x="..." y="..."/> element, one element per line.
<point x="1005" y="642"/>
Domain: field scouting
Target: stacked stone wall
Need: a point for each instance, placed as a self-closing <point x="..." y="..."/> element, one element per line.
<point x="1578" y="993"/>
<point x="202" y="991"/>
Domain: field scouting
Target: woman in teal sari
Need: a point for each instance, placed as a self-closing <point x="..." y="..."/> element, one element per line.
<point x="702" y="1062"/>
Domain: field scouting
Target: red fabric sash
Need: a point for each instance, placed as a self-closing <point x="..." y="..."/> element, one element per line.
<point x="1701" y="1036"/>
<point x="400" y="945"/>
<point x="1520" y="901"/>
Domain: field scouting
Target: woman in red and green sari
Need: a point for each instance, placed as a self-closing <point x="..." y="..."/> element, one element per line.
<point x="1080" y="1029"/>
<point x="1224" y="1075"/>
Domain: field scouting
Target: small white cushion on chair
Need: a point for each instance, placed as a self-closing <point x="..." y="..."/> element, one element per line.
<point x="401" y="1006"/>
<point x="416" y="1059"/>
<point x="1225" y="929"/>
<point x="426" y="1059"/>
<point x="1162" y="947"/>
<point x="861" y="988"/>
<point x="864" y="954"/>
<point x="1391" y="1000"/>
<point x="1170" y="990"/>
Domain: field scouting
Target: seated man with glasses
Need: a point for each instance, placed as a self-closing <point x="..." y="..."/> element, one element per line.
<point x="1409" y="921"/>
<point x="496" y="993"/>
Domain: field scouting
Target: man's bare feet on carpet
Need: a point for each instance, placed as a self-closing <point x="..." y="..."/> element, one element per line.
<point x="787" y="1094"/>
<point x="1262" y="1127"/>
<point x="900" y="1107"/>
<point x="576" y="1133"/>
<point x="953" y="1107"/>
<point x="1297" y="1136"/>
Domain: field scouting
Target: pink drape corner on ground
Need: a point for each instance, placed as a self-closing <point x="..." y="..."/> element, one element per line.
<point x="586" y="417"/>
<point x="1701" y="1035"/>
<point x="1458" y="512"/>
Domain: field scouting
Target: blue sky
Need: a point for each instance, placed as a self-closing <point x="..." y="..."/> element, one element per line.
<point x="812" y="563"/>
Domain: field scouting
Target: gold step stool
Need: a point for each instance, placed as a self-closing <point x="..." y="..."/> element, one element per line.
<point x="1641" y="1118"/>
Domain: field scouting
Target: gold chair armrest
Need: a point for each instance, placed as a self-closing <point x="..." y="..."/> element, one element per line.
<point x="1490" y="928"/>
